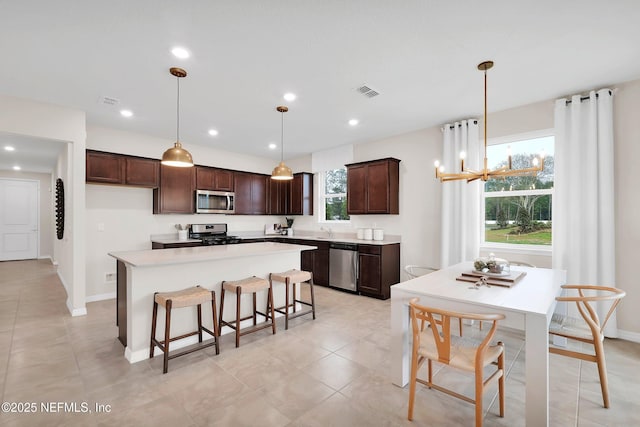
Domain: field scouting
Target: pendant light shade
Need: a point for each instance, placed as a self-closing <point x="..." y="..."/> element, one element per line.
<point x="282" y="171"/>
<point x="177" y="156"/>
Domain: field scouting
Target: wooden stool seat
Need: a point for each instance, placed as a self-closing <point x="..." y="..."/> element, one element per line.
<point x="184" y="298"/>
<point x="291" y="277"/>
<point x="189" y="297"/>
<point x="249" y="285"/>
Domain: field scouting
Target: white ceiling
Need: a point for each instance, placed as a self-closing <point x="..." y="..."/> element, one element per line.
<point x="421" y="55"/>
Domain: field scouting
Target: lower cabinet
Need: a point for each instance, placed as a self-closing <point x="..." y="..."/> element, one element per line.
<point x="378" y="269"/>
<point x="315" y="261"/>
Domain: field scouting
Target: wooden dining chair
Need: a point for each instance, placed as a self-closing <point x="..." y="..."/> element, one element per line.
<point x="433" y="342"/>
<point x="589" y="329"/>
<point x="414" y="271"/>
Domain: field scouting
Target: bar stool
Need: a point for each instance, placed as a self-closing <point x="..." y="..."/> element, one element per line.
<point x="250" y="285"/>
<point x="291" y="277"/>
<point x="179" y="299"/>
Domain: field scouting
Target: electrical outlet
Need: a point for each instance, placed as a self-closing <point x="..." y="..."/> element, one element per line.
<point x="110" y="277"/>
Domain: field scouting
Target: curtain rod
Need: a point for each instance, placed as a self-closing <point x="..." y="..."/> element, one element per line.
<point x="584" y="98"/>
<point x="475" y="122"/>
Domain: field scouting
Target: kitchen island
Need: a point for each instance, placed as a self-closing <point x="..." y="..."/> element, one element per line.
<point x="142" y="273"/>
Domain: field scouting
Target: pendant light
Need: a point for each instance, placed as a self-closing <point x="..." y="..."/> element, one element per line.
<point x="176" y="155"/>
<point x="282" y="171"/>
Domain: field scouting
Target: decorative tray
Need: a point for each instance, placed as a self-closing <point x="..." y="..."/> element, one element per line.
<point x="501" y="280"/>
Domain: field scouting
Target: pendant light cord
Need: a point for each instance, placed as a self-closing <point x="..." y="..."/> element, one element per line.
<point x="282" y="137"/>
<point x="178" y="112"/>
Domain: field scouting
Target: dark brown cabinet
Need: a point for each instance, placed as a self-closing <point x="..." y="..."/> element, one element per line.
<point x="214" y="179"/>
<point x="104" y="168"/>
<point x="373" y="187"/>
<point x="300" y="194"/>
<point x="118" y="169"/>
<point x="316" y="260"/>
<point x="176" y="192"/>
<point x="278" y="197"/>
<point x="142" y="172"/>
<point x="378" y="269"/>
<point x="250" y="193"/>
<point x="293" y="197"/>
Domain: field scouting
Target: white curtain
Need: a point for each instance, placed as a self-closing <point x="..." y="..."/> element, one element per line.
<point x="583" y="211"/>
<point x="460" y="201"/>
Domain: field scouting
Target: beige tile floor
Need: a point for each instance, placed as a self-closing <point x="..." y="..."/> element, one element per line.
<point x="329" y="372"/>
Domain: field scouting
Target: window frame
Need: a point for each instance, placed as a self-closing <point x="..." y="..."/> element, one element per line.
<point x="515" y="247"/>
<point x="323" y="196"/>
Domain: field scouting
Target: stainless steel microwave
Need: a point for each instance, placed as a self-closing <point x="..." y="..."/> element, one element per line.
<point x="215" y="202"/>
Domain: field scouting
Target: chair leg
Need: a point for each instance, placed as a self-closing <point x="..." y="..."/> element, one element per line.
<point x="216" y="330"/>
<point x="412" y="385"/>
<point x="460" y="325"/>
<point x="199" y="322"/>
<point x="501" y="379"/>
<point x="313" y="299"/>
<point x="167" y="337"/>
<point x="153" y="327"/>
<point x="286" y="302"/>
<point x="220" y="322"/>
<point x="602" y="371"/>
<point x="294" y="297"/>
<point x="273" y="312"/>
<point x="238" y="295"/>
<point x="478" y="397"/>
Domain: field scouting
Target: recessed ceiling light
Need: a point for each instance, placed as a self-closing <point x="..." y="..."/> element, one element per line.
<point x="353" y="122"/>
<point x="180" y="52"/>
<point x="126" y="113"/>
<point x="272" y="146"/>
<point x="289" y="96"/>
<point x="9" y="148"/>
<point x="213" y="132"/>
<point x="16" y="168"/>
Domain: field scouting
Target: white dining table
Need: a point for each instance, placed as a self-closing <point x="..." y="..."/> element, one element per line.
<point x="528" y="305"/>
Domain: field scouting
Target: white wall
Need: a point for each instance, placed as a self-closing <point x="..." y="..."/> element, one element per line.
<point x="46" y="233"/>
<point x="25" y="117"/>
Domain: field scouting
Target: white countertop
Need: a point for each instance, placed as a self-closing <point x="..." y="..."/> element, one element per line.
<point x="388" y="240"/>
<point x="167" y="239"/>
<point x="150" y="258"/>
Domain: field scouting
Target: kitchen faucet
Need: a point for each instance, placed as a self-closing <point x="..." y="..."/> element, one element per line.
<point x="328" y="230"/>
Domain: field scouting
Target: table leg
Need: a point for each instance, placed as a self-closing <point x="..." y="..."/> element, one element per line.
<point x="537" y="370"/>
<point x="400" y="351"/>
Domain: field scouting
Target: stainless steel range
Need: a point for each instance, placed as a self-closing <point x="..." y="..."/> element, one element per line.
<point x="212" y="234"/>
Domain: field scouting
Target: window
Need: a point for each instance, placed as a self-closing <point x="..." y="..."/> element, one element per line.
<point x="333" y="195"/>
<point x="518" y="210"/>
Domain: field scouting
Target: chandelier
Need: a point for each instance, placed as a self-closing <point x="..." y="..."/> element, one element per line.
<point x="537" y="164"/>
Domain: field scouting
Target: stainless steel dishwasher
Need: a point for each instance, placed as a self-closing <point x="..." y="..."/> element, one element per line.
<point x="343" y="266"/>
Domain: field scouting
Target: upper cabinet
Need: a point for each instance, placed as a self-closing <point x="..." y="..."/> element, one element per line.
<point x="176" y="192"/>
<point x="118" y="169"/>
<point x="214" y="179"/>
<point x="250" y="193"/>
<point x="301" y="194"/>
<point x="293" y="197"/>
<point x="373" y="187"/>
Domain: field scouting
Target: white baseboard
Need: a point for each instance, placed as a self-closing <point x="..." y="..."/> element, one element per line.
<point x="629" y="336"/>
<point x="46" y="257"/>
<point x="100" y="297"/>
<point x="74" y="311"/>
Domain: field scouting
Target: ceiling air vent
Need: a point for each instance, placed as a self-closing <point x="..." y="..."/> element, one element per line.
<point x="367" y="91"/>
<point x="107" y="100"/>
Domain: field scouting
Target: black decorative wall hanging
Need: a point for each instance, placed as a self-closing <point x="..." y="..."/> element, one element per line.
<point x="59" y="208"/>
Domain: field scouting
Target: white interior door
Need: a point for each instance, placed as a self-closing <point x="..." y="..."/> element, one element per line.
<point x="19" y="215"/>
